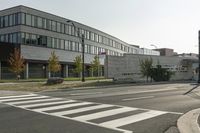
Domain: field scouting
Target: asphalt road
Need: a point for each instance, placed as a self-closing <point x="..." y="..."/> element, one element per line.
<point x="137" y="109"/>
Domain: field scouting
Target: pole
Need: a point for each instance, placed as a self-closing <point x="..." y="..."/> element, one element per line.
<point x="81" y="39"/>
<point x="199" y="58"/>
<point x="83" y="59"/>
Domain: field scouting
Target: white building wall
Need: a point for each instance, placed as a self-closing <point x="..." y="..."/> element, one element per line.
<point x="127" y="67"/>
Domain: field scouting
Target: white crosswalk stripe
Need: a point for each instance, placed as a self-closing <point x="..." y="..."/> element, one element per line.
<point x="81" y="110"/>
<point x="24" y="98"/>
<point x="104" y="114"/>
<point x="43" y="104"/>
<point x="33" y="101"/>
<point x="51" y="106"/>
<point x="18" y="96"/>
<point x="61" y="106"/>
<point x="132" y="119"/>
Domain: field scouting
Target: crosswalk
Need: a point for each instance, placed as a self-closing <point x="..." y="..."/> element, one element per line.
<point x="82" y="111"/>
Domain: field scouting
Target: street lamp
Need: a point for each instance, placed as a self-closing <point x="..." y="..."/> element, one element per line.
<point x="199" y="59"/>
<point x="81" y="39"/>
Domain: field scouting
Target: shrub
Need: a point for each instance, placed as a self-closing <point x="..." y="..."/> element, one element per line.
<point x="55" y="80"/>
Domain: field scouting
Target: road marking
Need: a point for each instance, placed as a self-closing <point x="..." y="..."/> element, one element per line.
<point x="27" y="101"/>
<point x="104" y="114"/>
<point x="43" y="104"/>
<point x="155" y="90"/>
<point x="17" y="96"/>
<point x="24" y="98"/>
<point x="131" y="119"/>
<point x="62" y="106"/>
<point x="137" y="98"/>
<point x="82" y="109"/>
<point x="33" y="101"/>
<point x="79" y="94"/>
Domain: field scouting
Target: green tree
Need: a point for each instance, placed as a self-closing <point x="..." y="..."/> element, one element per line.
<point x="16" y="62"/>
<point x="146" y="68"/>
<point x="95" y="66"/>
<point x="161" y="74"/>
<point x="78" y="65"/>
<point x="54" y="65"/>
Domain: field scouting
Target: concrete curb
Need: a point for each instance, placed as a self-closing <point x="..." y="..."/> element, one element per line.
<point x="188" y="123"/>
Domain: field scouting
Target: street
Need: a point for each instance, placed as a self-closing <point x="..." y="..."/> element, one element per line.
<point x="124" y="108"/>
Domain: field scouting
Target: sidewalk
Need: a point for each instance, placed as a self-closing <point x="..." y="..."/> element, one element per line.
<point x="189" y="122"/>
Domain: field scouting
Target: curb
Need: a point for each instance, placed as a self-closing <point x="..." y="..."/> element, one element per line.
<point x="188" y="123"/>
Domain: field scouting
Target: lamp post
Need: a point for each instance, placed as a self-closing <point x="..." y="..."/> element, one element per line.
<point x="199" y="56"/>
<point x="81" y="39"/>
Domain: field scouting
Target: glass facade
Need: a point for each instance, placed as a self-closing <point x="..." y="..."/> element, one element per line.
<point x="64" y="28"/>
<point x="51" y="42"/>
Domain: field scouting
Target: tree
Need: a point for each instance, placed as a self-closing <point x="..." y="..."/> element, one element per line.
<point x="146" y="68"/>
<point x="161" y="74"/>
<point x="78" y="65"/>
<point x="54" y="65"/>
<point x="95" y="64"/>
<point x="16" y="62"/>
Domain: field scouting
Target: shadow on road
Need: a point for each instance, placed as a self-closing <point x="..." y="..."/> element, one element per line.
<point x="197" y="85"/>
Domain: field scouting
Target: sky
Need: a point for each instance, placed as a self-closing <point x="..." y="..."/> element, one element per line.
<point x="164" y="23"/>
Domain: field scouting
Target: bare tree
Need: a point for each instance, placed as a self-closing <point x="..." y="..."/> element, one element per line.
<point x="78" y="65"/>
<point x="16" y="62"/>
<point x="95" y="64"/>
<point x="54" y="65"/>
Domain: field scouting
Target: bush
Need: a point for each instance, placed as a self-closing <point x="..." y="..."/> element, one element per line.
<point x="55" y="80"/>
<point x="161" y="74"/>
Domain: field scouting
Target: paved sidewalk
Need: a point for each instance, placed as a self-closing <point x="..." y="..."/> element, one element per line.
<point x="188" y="123"/>
<point x="8" y="93"/>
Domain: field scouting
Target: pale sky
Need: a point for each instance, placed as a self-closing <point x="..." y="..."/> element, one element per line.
<point x="164" y="23"/>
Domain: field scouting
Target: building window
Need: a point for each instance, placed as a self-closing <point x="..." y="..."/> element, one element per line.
<point x="44" y="23"/>
<point x="66" y="29"/>
<point x="58" y="27"/>
<point x="80" y="47"/>
<point x="5" y="21"/>
<point x="33" y="39"/>
<point x="1" y="22"/>
<point x="39" y="22"/>
<point x="14" y="38"/>
<point x="66" y="45"/>
<point x="62" y="28"/>
<point x="55" y="43"/>
<point x="69" y="29"/>
<point x="33" y="21"/>
<point x="23" y="18"/>
<point x="48" y="24"/>
<point x="28" y="19"/>
<point x="10" y="20"/>
<point x="53" y="25"/>
<point x="49" y="42"/>
<point x="27" y="39"/>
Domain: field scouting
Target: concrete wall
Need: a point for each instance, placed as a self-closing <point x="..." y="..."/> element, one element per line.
<point x="127" y="67"/>
<point x="41" y="53"/>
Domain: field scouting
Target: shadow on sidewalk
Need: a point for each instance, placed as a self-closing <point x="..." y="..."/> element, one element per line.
<point x="197" y="85"/>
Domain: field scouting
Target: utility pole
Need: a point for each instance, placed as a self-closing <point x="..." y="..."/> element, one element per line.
<point x="199" y="56"/>
<point x="83" y="58"/>
<point x="81" y="39"/>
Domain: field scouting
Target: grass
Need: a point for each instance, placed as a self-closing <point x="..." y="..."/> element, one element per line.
<point x="36" y="85"/>
<point x="44" y="80"/>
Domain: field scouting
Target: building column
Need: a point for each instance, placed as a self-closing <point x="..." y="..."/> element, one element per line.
<point x="26" y="70"/>
<point x="0" y="70"/>
<point x="66" y="71"/>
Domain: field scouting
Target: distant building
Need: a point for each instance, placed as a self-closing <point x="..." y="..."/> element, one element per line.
<point x="187" y="55"/>
<point x="166" y="52"/>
